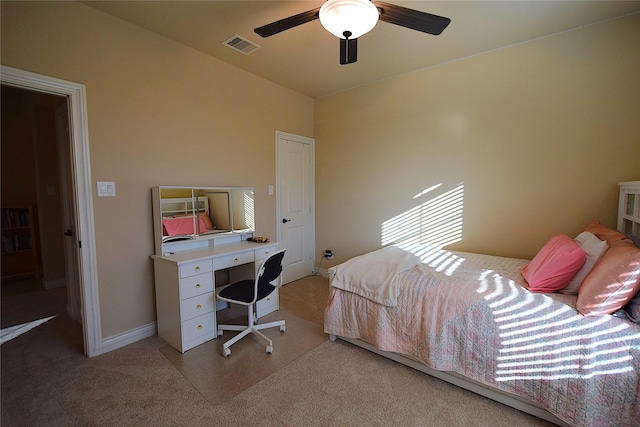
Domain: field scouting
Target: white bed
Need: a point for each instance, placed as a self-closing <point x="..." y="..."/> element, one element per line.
<point x="469" y="319"/>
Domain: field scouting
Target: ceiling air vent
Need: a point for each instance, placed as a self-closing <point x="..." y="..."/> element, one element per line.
<point x="241" y="45"/>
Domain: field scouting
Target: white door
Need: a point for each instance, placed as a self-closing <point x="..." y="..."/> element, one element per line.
<point x="295" y="203"/>
<point x="67" y="191"/>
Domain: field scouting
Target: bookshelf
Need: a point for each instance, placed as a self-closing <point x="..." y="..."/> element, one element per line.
<point x="19" y="257"/>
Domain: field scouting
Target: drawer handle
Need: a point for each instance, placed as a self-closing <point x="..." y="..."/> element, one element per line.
<point x="197" y="285"/>
<point x="197" y="267"/>
<point x="198" y="306"/>
<point x="268" y="299"/>
<point x="266" y="253"/>
<point x="235" y="260"/>
<point x="199" y="326"/>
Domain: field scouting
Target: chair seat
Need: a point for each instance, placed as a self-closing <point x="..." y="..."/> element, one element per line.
<point x="242" y="291"/>
<point x="248" y="292"/>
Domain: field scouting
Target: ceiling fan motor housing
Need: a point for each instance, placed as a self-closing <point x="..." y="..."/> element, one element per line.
<point x="348" y="18"/>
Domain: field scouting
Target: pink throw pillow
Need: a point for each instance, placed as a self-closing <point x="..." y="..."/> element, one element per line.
<point x="613" y="282"/>
<point x="554" y="265"/>
<point x="605" y="233"/>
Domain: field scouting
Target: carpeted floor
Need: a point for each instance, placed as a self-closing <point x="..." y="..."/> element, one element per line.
<point x="308" y="380"/>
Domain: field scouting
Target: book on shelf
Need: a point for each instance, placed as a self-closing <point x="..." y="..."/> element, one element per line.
<point x="15" y="217"/>
<point x="15" y="242"/>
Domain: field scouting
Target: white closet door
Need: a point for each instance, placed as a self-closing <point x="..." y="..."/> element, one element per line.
<point x="295" y="201"/>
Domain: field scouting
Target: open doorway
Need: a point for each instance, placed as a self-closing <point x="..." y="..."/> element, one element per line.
<point x="39" y="264"/>
<point x="80" y="180"/>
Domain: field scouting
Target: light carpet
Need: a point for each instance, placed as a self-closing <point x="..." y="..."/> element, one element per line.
<point x="46" y="381"/>
<point x="218" y="378"/>
<point x="338" y="384"/>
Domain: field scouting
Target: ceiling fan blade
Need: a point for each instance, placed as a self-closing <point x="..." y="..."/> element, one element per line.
<point x="287" y="23"/>
<point x="348" y="51"/>
<point x="414" y="19"/>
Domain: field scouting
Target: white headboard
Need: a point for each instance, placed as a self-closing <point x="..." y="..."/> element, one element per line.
<point x="183" y="206"/>
<point x="629" y="210"/>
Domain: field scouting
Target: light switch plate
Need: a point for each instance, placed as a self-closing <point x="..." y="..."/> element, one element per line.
<point x="106" y="189"/>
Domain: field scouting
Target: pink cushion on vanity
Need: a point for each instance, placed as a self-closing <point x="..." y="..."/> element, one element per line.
<point x="207" y="222"/>
<point x="181" y="225"/>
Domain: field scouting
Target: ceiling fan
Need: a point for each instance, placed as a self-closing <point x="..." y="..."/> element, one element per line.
<point x="350" y="19"/>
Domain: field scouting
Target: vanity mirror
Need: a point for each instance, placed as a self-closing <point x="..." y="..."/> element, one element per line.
<point x="193" y="217"/>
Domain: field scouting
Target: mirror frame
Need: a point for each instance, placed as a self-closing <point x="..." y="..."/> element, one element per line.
<point x="229" y="211"/>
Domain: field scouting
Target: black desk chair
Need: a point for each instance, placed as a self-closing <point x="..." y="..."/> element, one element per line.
<point x="247" y="292"/>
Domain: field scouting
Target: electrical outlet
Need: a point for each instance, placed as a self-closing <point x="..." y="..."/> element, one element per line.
<point x="328" y="254"/>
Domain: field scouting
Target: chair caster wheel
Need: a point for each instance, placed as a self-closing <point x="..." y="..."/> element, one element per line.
<point x="283" y="328"/>
<point x="269" y="349"/>
<point x="226" y="352"/>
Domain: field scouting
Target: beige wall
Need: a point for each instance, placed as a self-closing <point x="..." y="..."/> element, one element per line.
<point x="159" y="114"/>
<point x="539" y="135"/>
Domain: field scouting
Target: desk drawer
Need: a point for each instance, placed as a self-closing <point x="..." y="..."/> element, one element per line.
<point x="195" y="267"/>
<point x="268" y="304"/>
<point x="261" y="254"/>
<point x="227" y="261"/>
<point x="198" y="330"/>
<point x="197" y="306"/>
<point x="196" y="285"/>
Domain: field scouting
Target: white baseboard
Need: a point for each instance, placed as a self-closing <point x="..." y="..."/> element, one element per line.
<point x="116" y="341"/>
<point x="323" y="272"/>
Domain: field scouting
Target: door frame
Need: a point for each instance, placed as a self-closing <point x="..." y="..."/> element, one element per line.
<point x="76" y="95"/>
<point x="284" y="136"/>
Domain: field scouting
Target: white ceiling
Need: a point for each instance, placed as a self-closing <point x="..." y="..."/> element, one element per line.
<point x="306" y="58"/>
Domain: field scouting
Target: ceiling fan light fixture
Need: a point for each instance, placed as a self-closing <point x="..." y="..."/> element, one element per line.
<point x="356" y="17"/>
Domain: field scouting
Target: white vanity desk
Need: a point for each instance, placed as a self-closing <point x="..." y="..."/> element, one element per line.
<point x="200" y="236"/>
<point x="186" y="286"/>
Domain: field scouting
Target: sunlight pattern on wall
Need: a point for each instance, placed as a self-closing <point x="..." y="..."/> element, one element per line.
<point x="434" y="223"/>
<point x="541" y="339"/>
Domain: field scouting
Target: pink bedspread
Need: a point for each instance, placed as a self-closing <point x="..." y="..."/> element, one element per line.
<point x="470" y="314"/>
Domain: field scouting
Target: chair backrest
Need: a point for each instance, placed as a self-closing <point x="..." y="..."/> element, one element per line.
<point x="270" y="269"/>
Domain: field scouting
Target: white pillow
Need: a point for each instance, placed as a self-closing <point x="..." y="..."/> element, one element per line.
<point x="594" y="248"/>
